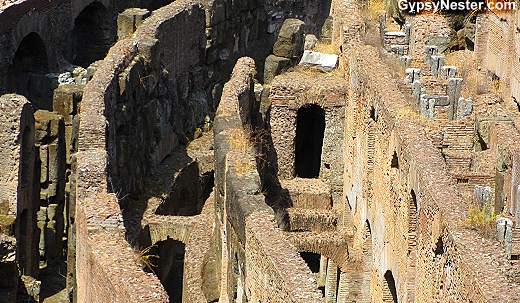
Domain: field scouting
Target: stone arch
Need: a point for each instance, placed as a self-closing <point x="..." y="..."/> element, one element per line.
<point x="166" y="259"/>
<point x="389" y="288"/>
<point x="310" y="130"/>
<point x="27" y="74"/>
<point x="93" y="34"/>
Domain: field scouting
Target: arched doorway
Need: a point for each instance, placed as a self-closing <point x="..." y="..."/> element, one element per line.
<point x="168" y="265"/>
<point x="310" y="128"/>
<point x="389" y="289"/>
<point x="93" y="35"/>
<point x="27" y="73"/>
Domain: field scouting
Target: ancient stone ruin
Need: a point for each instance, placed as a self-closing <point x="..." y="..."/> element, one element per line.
<point x="258" y="151"/>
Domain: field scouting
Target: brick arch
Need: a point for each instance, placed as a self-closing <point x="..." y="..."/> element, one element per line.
<point x="79" y="5"/>
<point x="33" y="22"/>
<point x="333" y="247"/>
<point x="93" y="34"/>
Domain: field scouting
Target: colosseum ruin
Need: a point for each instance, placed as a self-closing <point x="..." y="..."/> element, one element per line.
<point x="258" y="151"/>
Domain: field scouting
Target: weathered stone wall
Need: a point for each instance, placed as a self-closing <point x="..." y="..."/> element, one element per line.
<point x="257" y="263"/>
<point x="410" y="201"/>
<point x="119" y="115"/>
<point x="19" y="188"/>
<point x="496" y="45"/>
<point x="289" y="93"/>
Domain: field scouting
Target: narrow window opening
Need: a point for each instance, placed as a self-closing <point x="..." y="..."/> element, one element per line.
<point x="395" y="161"/>
<point x="310" y="129"/>
<point x="373" y="115"/>
<point x="439" y="247"/>
<point x="389" y="291"/>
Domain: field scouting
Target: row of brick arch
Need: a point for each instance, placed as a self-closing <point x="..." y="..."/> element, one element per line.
<point x="89" y="41"/>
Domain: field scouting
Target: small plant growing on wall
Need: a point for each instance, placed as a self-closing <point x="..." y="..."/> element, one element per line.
<point x="243" y="141"/>
<point x="145" y="258"/>
<point x="483" y="219"/>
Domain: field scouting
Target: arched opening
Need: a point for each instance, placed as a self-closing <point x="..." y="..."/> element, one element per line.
<point x="310" y="128"/>
<point x="389" y="289"/>
<point x="93" y="35"/>
<point x="312" y="260"/>
<point x="168" y="265"/>
<point x="439" y="247"/>
<point x="27" y="74"/>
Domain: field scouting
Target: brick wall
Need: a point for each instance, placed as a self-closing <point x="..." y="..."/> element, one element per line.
<point x="117" y="82"/>
<point x="261" y="265"/>
<point x="448" y="259"/>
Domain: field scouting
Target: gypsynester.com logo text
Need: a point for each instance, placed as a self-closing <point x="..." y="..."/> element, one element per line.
<point x="418" y="6"/>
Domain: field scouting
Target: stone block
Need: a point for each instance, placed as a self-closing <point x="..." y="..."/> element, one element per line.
<point x="310" y="41"/>
<point x="215" y="12"/>
<point x="66" y="100"/>
<point x="326" y="30"/>
<point x="430" y="51"/>
<point x="130" y="79"/>
<point x="416" y="91"/>
<point x="44" y="160"/>
<point x="274" y="66"/>
<point x="149" y="51"/>
<point x="405" y="61"/>
<point x="464" y="107"/>
<point x="397" y="49"/>
<point x="448" y="72"/>
<point x="407" y="32"/>
<point x="412" y="75"/>
<point x="320" y="61"/>
<point x="454" y="89"/>
<point x="291" y="39"/>
<point x="309" y="193"/>
<point x="129" y="20"/>
<point x="436" y="63"/>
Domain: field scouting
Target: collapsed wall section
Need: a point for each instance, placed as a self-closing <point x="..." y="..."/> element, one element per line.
<point x="258" y="263"/>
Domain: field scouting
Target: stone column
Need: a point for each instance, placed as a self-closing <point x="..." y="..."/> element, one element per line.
<point x="323" y="269"/>
<point x="437" y="62"/>
<point x="454" y="88"/>
<point x="331" y="283"/>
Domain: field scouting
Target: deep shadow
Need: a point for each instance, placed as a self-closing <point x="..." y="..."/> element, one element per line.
<point x="169" y="266"/>
<point x="27" y="73"/>
<point x="310" y="128"/>
<point x="390" y="291"/>
<point x="93" y="35"/>
<point x="312" y="260"/>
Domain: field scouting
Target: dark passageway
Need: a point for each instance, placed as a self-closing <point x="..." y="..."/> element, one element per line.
<point x="170" y="267"/>
<point x="27" y="73"/>
<point x="310" y="127"/>
<point x="92" y="35"/>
